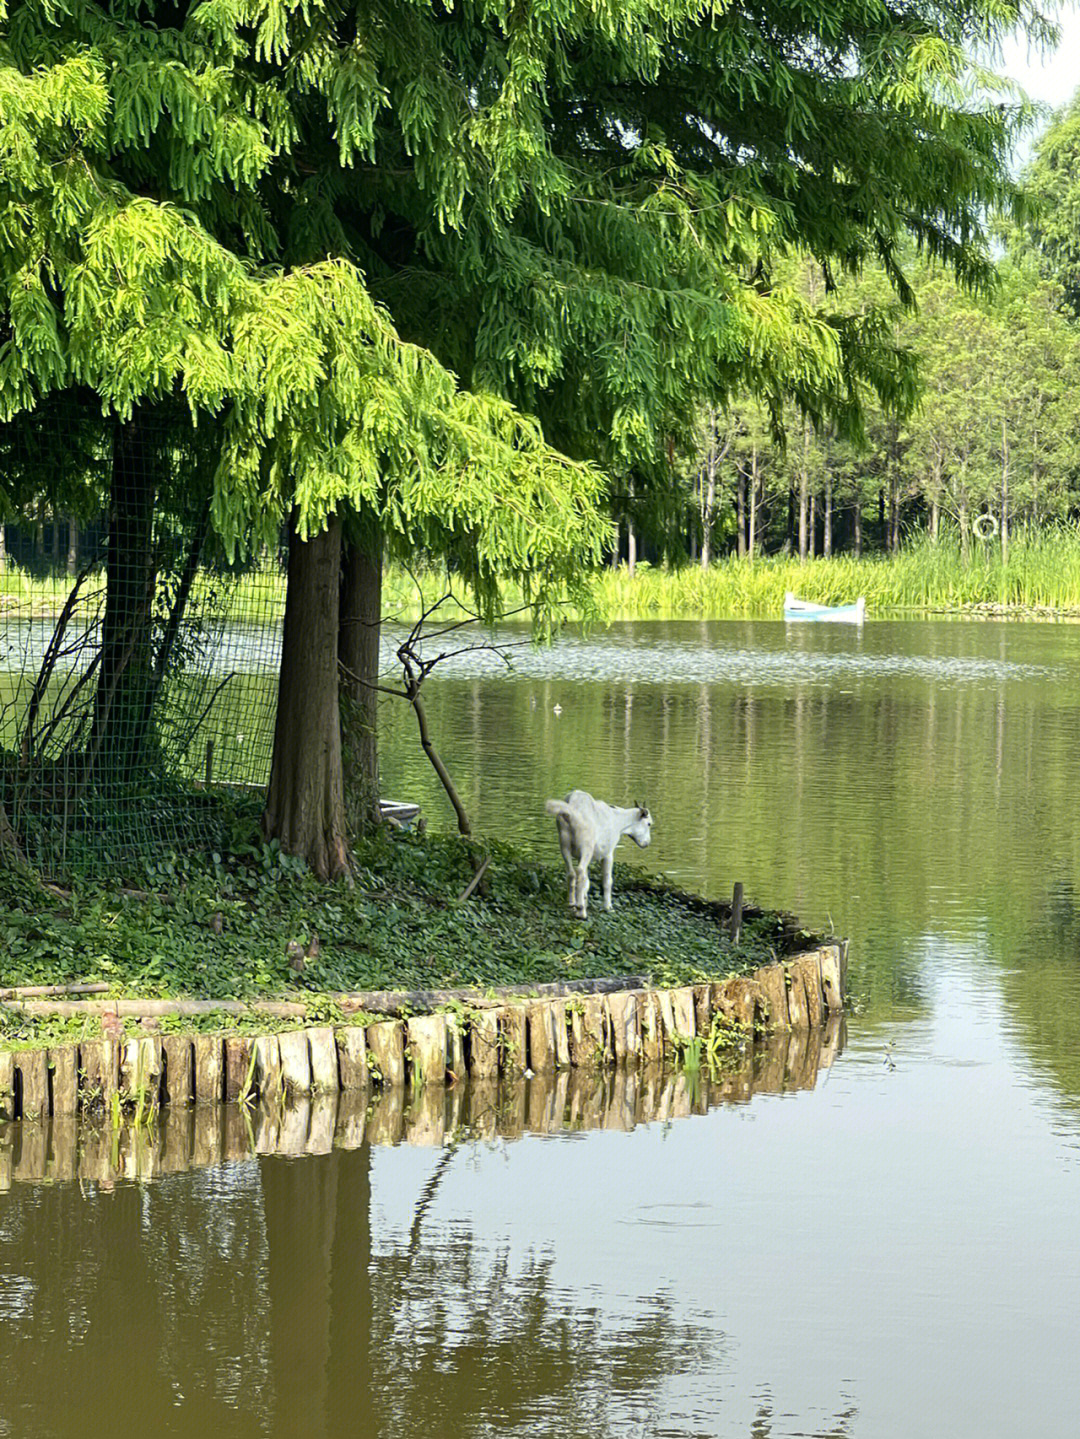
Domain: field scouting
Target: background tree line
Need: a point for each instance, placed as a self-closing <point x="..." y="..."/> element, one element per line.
<point x="996" y="432"/>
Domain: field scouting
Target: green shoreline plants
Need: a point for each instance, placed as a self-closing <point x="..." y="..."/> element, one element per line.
<point x="193" y="927"/>
<point x="1042" y="573"/>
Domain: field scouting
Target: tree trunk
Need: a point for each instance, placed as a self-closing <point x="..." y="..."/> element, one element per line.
<point x="708" y="507"/>
<point x="358" y="652"/>
<point x="811" y="537"/>
<point x="305" y="804"/>
<point x="740" y="512"/>
<point x="3" y="548"/>
<point x="804" y="494"/>
<point x="937" y="469"/>
<point x="11" y="855"/>
<point x="826" y="545"/>
<point x="894" y="489"/>
<point x="857" y="529"/>
<point x="631" y="535"/>
<point x="73" y="547"/>
<point x="751" y="542"/>
<point x="1004" y="494"/>
<point x="121" y="721"/>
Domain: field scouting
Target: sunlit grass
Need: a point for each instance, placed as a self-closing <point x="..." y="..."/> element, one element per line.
<point x="1043" y="573"/>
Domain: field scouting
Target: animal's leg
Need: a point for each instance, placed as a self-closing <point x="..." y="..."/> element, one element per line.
<point x="582" y="890"/>
<point x="568" y="860"/>
<point x="608" y="862"/>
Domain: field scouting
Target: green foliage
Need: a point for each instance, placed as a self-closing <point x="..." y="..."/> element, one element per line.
<point x="220" y="929"/>
<point x="306" y="220"/>
<point x="1042" y="573"/>
<point x="994" y="429"/>
<point x="1054" y="181"/>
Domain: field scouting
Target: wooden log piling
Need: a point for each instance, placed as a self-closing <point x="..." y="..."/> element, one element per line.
<point x="7" y="1085"/>
<point x="598" y="1048"/>
<point x="484" y="1046"/>
<point x="550" y="1034"/>
<point x="773" y="983"/>
<point x="178" y="1063"/>
<point x="386" y="1052"/>
<point x="268" y="1079"/>
<point x="99" y="1062"/>
<point x="625" y="1028"/>
<point x="31" y="1066"/>
<point x="209" y="1054"/>
<point x="810" y="967"/>
<point x="831" y="984"/>
<point x="455" y="1049"/>
<point x="513" y="1029"/>
<point x="652" y="1029"/>
<point x="64" y="1068"/>
<point x="189" y="1137"/>
<point x="323" y="1054"/>
<point x="427" y="1048"/>
<point x="352" y="1057"/>
<point x="798" y="1009"/>
<point x="682" y="1006"/>
<point x="541" y="1037"/>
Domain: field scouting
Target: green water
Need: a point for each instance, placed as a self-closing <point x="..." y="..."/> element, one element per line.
<point x="893" y="1253"/>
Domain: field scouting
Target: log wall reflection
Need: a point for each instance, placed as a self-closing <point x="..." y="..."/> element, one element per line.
<point x="80" y="1148"/>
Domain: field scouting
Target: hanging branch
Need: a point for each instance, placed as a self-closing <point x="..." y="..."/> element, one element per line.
<point x="416" y="669"/>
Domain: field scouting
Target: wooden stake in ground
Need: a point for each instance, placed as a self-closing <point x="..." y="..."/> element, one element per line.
<point x="736" y="913"/>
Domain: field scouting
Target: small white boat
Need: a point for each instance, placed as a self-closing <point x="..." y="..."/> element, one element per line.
<point x="795" y="609"/>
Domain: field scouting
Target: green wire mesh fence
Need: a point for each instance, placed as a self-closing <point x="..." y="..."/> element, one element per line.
<point x="138" y="668"/>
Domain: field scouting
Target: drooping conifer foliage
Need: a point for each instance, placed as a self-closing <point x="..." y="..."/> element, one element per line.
<point x="422" y="261"/>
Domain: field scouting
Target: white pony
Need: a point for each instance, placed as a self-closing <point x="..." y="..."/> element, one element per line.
<point x="589" y="828"/>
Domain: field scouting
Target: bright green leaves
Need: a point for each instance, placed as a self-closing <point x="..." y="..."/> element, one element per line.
<point x="1054" y="179"/>
<point x="581" y="208"/>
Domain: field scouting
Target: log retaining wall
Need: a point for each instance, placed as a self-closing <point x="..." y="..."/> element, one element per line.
<point x="484" y="1039"/>
<point x="89" y="1149"/>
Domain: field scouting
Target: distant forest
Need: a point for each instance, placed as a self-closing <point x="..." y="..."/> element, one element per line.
<point x="991" y="447"/>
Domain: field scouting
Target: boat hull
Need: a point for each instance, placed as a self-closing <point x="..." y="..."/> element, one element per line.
<point x="796" y="609"/>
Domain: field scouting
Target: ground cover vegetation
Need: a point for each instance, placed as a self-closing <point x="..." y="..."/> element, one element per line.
<point x="401" y="281"/>
<point x="256" y="923"/>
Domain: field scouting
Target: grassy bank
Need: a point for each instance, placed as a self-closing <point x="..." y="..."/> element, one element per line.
<point x="1042" y="575"/>
<point x="220" y="928"/>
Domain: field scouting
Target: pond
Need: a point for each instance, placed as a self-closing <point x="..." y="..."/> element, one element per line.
<point x="892" y="1251"/>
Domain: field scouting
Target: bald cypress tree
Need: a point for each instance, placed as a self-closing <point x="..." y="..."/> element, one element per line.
<point x="424" y="263"/>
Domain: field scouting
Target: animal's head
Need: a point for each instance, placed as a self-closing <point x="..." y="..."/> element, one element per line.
<point x="641" y="829"/>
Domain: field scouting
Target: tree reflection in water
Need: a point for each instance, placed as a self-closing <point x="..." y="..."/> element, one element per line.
<point x="241" y="1296"/>
<point x="442" y="1335"/>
